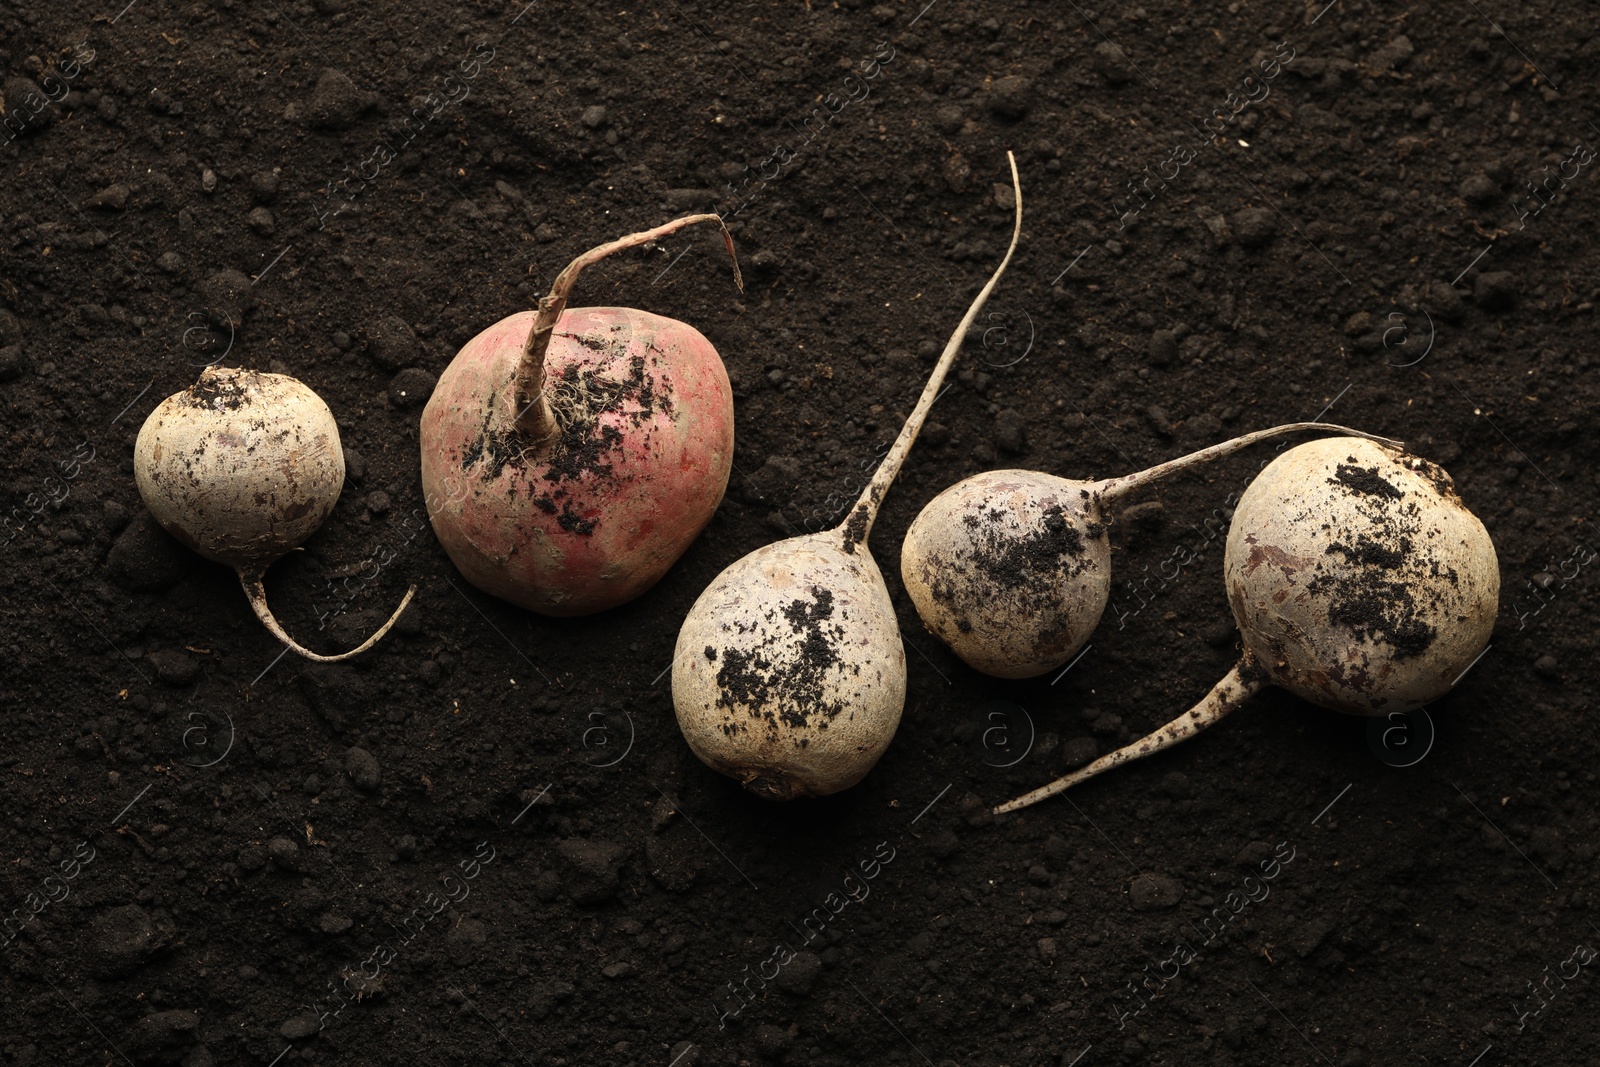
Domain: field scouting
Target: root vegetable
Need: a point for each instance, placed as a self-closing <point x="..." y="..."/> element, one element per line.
<point x="1012" y="568"/>
<point x="242" y="467"/>
<point x="789" y="673"/>
<point x="1359" y="581"/>
<point x="571" y="455"/>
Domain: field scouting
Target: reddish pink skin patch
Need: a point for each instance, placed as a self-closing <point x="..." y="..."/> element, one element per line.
<point x="667" y="474"/>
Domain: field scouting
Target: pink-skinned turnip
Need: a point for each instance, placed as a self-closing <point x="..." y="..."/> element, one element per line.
<point x="571" y="455"/>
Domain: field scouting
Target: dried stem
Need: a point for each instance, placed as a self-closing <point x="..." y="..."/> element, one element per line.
<point x="1112" y="489"/>
<point x="534" y="416"/>
<point x="257" y="593"/>
<point x="858" y="522"/>
<point x="1240" y="684"/>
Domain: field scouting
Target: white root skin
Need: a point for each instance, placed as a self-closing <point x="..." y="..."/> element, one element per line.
<point x="1012" y="569"/>
<point x="1225" y="697"/>
<point x="1359" y="581"/>
<point x="789" y="672"/>
<point x="242" y="467"/>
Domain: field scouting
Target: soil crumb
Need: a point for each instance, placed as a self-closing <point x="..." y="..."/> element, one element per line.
<point x="586" y="448"/>
<point x="789" y="684"/>
<point x="1365" y="480"/>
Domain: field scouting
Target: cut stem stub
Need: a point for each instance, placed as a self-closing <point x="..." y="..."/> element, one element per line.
<point x="256" y="592"/>
<point x="534" y="416"/>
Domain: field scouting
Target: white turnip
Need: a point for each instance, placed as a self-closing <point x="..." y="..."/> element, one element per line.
<point x="242" y="467"/>
<point x="1012" y="568"/>
<point x="789" y="673"/>
<point x="1359" y="581"/>
<point x="571" y="455"/>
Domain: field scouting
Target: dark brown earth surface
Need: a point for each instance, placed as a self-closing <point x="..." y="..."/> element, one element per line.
<point x="485" y="841"/>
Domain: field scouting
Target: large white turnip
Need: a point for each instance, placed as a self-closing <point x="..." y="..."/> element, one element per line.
<point x="242" y="467"/>
<point x="1359" y="581"/>
<point x="789" y="673"/>
<point x="571" y="455"/>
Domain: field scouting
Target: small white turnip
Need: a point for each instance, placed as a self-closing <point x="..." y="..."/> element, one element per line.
<point x="1359" y="581"/>
<point x="571" y="455"/>
<point x="1012" y="568"/>
<point x="789" y="673"/>
<point x="242" y="467"/>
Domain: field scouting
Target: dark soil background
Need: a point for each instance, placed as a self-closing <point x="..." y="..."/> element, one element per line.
<point x="485" y="841"/>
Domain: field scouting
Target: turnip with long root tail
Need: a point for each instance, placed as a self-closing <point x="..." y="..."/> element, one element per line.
<point x="1012" y="569"/>
<point x="571" y="455"/>
<point x="1359" y="581"/>
<point x="242" y="467"/>
<point x="789" y="673"/>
